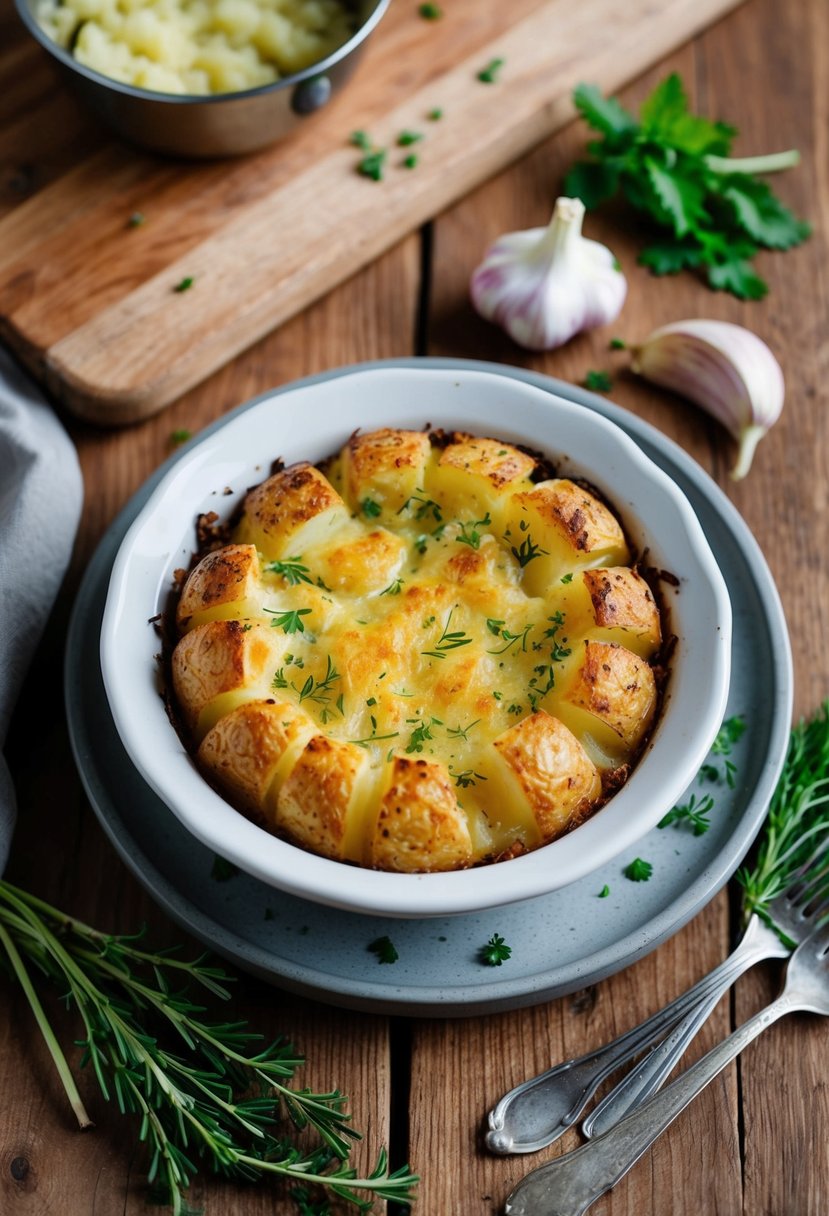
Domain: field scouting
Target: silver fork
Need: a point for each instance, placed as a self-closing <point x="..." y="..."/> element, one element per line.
<point x="539" y="1111"/>
<point x="568" y="1185"/>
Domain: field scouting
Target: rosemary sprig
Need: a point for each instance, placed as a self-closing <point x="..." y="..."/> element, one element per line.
<point x="151" y="1047"/>
<point x="798" y="818"/>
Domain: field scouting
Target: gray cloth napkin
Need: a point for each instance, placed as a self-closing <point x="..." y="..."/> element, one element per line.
<point x="41" y="492"/>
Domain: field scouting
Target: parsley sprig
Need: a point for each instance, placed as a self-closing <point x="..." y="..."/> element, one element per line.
<point x="289" y="621"/>
<point x="713" y="213"/>
<point x="495" y="952"/>
<point x="292" y="570"/>
<point x="202" y="1092"/>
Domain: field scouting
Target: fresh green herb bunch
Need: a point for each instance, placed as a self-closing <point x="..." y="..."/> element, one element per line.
<point x="798" y="819"/>
<point x="674" y="167"/>
<point x="153" y="1050"/>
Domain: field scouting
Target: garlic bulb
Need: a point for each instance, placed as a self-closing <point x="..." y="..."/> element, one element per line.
<point x="544" y="285"/>
<point x="724" y="368"/>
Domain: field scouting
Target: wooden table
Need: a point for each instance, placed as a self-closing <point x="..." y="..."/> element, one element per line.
<point x="756" y="1141"/>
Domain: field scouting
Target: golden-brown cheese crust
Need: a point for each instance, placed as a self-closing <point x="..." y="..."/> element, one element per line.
<point x="244" y="750"/>
<point x="582" y="522"/>
<point x="370" y="563"/>
<point x="228" y="576"/>
<point x="386" y="465"/>
<point x="316" y="799"/>
<point x="500" y="463"/>
<point x="556" y="776"/>
<point x="616" y="686"/>
<point x="278" y="513"/>
<point x="419" y="827"/>
<point x="215" y="658"/>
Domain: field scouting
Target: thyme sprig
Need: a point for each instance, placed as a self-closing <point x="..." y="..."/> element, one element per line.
<point x="797" y="824"/>
<point x="448" y="641"/>
<point x="151" y="1047"/>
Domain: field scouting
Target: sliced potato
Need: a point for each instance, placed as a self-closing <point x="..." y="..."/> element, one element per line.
<point x="327" y="787"/>
<point x="218" y="665"/>
<point x="386" y="466"/>
<point x="475" y="477"/>
<point x="291" y="512"/>
<point x="624" y="609"/>
<point x="609" y="701"/>
<point x="223" y="585"/>
<point x="547" y="773"/>
<point x="419" y="826"/>
<point x="251" y="748"/>
<point x="558" y="527"/>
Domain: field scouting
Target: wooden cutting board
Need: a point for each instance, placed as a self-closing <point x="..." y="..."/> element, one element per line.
<point x="89" y="303"/>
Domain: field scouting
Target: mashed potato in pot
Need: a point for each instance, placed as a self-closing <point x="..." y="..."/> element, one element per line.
<point x="198" y="46"/>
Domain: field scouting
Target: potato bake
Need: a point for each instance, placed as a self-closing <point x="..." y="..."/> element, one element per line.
<point x="425" y="654"/>
<point x="198" y="47"/>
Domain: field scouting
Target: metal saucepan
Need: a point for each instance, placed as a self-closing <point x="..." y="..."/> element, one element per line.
<point x="222" y="124"/>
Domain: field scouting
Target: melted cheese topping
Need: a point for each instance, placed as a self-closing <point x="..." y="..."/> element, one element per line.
<point x="477" y="641"/>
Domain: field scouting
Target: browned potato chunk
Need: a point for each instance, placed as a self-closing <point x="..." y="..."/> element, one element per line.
<point x="624" y="609"/>
<point x="292" y="511"/>
<point x="387" y="466"/>
<point x="476" y="476"/>
<point x="218" y="665"/>
<point x="368" y="564"/>
<point x="224" y="584"/>
<point x="321" y="796"/>
<point x="559" y="527"/>
<point x="419" y="825"/>
<point x="549" y="772"/>
<point x="250" y="748"/>
<point x="609" y="701"/>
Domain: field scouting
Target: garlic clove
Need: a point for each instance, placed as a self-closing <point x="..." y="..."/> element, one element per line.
<point x="544" y="285"/>
<point x="722" y="367"/>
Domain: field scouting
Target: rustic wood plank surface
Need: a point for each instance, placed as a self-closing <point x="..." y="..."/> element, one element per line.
<point x="756" y="1141"/>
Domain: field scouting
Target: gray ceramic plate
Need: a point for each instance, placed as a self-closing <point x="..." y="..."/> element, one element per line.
<point x="561" y="941"/>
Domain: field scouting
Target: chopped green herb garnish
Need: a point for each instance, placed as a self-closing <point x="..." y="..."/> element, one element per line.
<point x="393" y="588"/>
<point x="566" y="578"/>
<point x="185" y="284"/>
<point x="360" y="139"/>
<point x="410" y="161"/>
<point x="290" y="621"/>
<point x="617" y="344"/>
<point x="693" y="813"/>
<point x="370" y="508"/>
<point x="527" y="552"/>
<point x="425" y="506"/>
<point x="448" y="641"/>
<point x="731" y="732"/>
<point x="638" y="870"/>
<point x="177" y="438"/>
<point x="279" y="680"/>
<point x="495" y="952"/>
<point x="466" y="778"/>
<point x="374" y="737"/>
<point x="515" y="709"/>
<point x="223" y="869"/>
<point x="136" y="219"/>
<point x="383" y="947"/>
<point x="461" y="732"/>
<point x="420" y="735"/>
<point x="509" y="638"/>
<point x="292" y="570"/>
<point x="499" y="696"/>
<point x="430" y="12"/>
<point x="320" y="691"/>
<point x="371" y="701"/>
<point x="470" y="534"/>
<point x="435" y="115"/>
<point x="372" y="165"/>
<point x="598" y="382"/>
<point x="489" y="74"/>
<point x="406" y="138"/>
<point x="674" y="167"/>
<point x="605" y="891"/>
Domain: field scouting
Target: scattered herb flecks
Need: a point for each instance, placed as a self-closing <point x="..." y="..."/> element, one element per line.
<point x="430" y="12"/>
<point x="372" y="164"/>
<point x="136" y="219"/>
<point x="489" y="74"/>
<point x="406" y="138"/>
<point x="383" y="947"/>
<point x="370" y="508"/>
<point x="177" y="438"/>
<point x="360" y="139"/>
<point x="617" y="344"/>
<point x="185" y="284"/>
<point x="598" y="382"/>
<point x="410" y="161"/>
<point x="495" y="952"/>
<point x="435" y="115"/>
<point x="605" y="891"/>
<point x="638" y="870"/>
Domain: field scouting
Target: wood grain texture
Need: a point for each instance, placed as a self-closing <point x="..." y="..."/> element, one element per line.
<point x="91" y="306"/>
<point x="755" y="1144"/>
